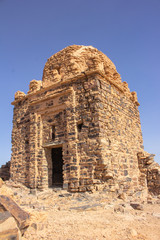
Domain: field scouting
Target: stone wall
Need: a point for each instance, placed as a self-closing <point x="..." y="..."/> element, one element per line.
<point x="64" y="110"/>
<point x="120" y="137"/>
<point x="150" y="170"/>
<point x="82" y="106"/>
<point x="5" y="171"/>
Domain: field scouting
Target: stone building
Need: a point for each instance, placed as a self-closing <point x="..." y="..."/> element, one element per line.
<point x="79" y="127"/>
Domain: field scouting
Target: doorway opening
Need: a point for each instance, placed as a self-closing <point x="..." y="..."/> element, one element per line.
<point x="57" y="167"/>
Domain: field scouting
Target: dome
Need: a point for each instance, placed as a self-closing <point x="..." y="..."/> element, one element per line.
<point x="75" y="60"/>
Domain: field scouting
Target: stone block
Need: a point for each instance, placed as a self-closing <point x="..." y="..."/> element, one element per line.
<point x="8" y="227"/>
<point x="20" y="215"/>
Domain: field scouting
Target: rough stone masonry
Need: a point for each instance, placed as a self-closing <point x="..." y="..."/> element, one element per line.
<point x="79" y="128"/>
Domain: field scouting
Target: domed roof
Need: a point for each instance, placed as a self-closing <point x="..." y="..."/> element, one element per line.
<point x="75" y="60"/>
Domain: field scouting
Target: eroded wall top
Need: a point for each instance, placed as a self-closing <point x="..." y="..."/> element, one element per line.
<point x="75" y="60"/>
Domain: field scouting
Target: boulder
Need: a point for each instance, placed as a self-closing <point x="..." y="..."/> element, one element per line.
<point x="20" y="215"/>
<point x="137" y="206"/>
<point x="8" y="227"/>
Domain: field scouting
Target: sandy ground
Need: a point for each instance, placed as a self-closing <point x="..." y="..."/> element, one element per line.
<point x="97" y="224"/>
<point x="59" y="215"/>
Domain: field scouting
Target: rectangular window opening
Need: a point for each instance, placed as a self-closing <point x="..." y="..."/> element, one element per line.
<point x="53" y="135"/>
<point x="79" y="126"/>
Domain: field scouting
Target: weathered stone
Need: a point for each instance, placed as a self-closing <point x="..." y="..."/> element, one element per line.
<point x="2" y="209"/>
<point x="19" y="95"/>
<point x="119" y="209"/>
<point x="122" y="196"/>
<point x="137" y="206"/>
<point x="1" y="182"/>
<point x="79" y="127"/>
<point x="92" y="207"/>
<point x="34" y="86"/>
<point x="20" y="215"/>
<point x="5" y="172"/>
<point x="150" y="172"/>
<point x="157" y="215"/>
<point x="8" y="227"/>
<point x="4" y="190"/>
<point x="132" y="232"/>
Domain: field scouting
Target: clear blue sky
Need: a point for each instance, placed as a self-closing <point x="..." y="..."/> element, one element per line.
<point x="127" y="31"/>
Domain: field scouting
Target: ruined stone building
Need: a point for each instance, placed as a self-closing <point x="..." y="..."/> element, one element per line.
<point x="79" y="127"/>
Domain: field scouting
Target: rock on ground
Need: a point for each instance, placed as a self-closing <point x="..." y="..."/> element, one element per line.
<point x="59" y="215"/>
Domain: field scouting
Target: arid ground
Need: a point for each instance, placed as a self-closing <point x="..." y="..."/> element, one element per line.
<point x="59" y="215"/>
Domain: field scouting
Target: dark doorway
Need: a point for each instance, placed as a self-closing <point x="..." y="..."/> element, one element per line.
<point x="57" y="165"/>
